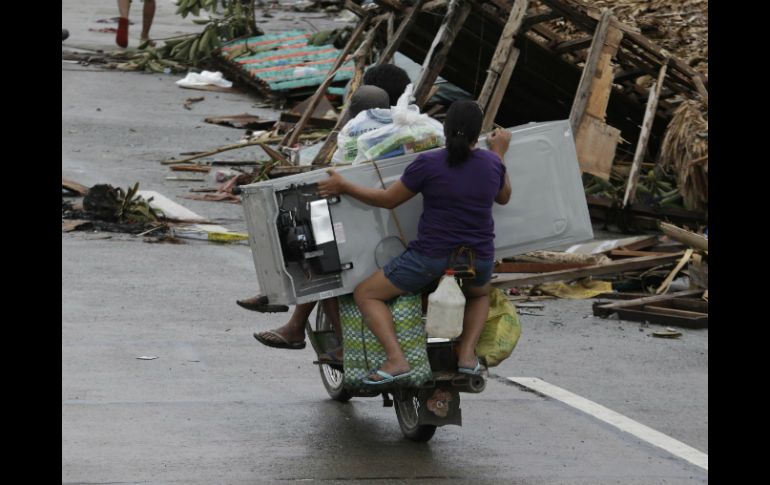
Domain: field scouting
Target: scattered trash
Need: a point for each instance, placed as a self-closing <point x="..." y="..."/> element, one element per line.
<point x="241" y="121"/>
<point x="191" y="168"/>
<point x="667" y="333"/>
<point x="189" y="101"/>
<point x="185" y="179"/>
<point x="205" y="78"/>
<point x="577" y="290"/>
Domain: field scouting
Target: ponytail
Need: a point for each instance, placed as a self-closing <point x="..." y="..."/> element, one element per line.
<point x="459" y="147"/>
<point x="461" y="130"/>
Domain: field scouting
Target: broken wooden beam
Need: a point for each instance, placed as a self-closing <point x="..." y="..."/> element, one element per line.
<point x="73" y="186"/>
<point x="323" y="123"/>
<point x="644" y="136"/>
<point x="499" y="92"/>
<point x="605" y="310"/>
<point x="391" y="4"/>
<point x="293" y="135"/>
<point x="684" y="236"/>
<point x="356" y="9"/>
<point x="398" y="37"/>
<point x="670" y="278"/>
<point x="324" y="155"/>
<point x="503" y="59"/>
<point x="536" y="267"/>
<point x="572" y="45"/>
<point x="534" y="19"/>
<point x="594" y="270"/>
<point x="589" y="72"/>
<point x="457" y="12"/>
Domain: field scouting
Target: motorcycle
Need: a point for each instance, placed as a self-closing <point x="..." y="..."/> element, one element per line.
<point x="419" y="410"/>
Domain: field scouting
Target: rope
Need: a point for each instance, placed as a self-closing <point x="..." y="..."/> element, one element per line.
<point x="392" y="212"/>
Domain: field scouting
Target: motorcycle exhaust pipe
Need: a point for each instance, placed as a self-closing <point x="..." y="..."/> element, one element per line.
<point x="473" y="384"/>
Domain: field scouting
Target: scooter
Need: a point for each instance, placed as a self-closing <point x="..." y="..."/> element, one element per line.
<point x="419" y="410"/>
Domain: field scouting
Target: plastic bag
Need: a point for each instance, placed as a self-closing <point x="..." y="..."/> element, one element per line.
<point x="501" y="332"/>
<point x="347" y="141"/>
<point x="410" y="132"/>
<point x="203" y="79"/>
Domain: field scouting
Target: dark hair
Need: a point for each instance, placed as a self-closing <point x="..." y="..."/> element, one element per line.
<point x="461" y="129"/>
<point x="389" y="77"/>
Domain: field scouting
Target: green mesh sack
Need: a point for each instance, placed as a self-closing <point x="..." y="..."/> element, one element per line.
<point x="364" y="353"/>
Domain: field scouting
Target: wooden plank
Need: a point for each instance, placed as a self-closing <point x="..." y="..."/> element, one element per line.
<point x="594" y="270"/>
<point x="633" y="314"/>
<point x="690" y="304"/>
<point x="673" y="311"/>
<point x="499" y="92"/>
<point x="324" y="155"/>
<point x="534" y="19"/>
<point x="73" y="186"/>
<point x="628" y="75"/>
<point x="536" y="267"/>
<point x="589" y="72"/>
<point x="684" y="236"/>
<point x="601" y="87"/>
<point x="325" y="123"/>
<point x="457" y="12"/>
<point x="356" y="9"/>
<point x="644" y="136"/>
<point x="392" y="4"/>
<point x="639" y="245"/>
<point x="701" y="89"/>
<point x="667" y="282"/>
<point x="403" y="29"/>
<point x="190" y="168"/>
<point x="572" y="45"/>
<point x="292" y="136"/>
<point x="434" y="5"/>
<point x="504" y="59"/>
<point x="596" y="143"/>
<point x="609" y="308"/>
<point x="628" y="253"/>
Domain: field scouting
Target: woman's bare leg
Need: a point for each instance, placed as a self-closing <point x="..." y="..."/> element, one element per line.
<point x="476" y="312"/>
<point x="147" y="15"/>
<point x="370" y="296"/>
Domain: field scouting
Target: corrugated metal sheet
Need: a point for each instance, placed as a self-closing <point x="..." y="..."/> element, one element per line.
<point x="283" y="62"/>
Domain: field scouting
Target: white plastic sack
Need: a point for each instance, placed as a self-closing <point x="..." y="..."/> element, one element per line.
<point x="410" y="132"/>
<point x="194" y="80"/>
<point x="347" y="140"/>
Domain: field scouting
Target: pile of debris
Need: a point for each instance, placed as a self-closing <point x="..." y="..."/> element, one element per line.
<point x="638" y="271"/>
<point x="141" y="213"/>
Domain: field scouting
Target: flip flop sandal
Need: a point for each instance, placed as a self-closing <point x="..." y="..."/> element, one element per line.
<point x="476" y="371"/>
<point x="283" y="344"/>
<point x="386" y="378"/>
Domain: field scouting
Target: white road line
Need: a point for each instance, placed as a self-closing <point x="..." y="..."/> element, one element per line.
<point x="621" y="422"/>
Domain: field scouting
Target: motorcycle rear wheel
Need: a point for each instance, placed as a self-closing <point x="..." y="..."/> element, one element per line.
<point x="333" y="379"/>
<point x="407" y="409"/>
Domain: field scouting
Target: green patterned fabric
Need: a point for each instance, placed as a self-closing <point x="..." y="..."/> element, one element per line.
<point x="364" y="353"/>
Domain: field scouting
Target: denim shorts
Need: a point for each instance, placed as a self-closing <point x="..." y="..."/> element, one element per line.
<point x="411" y="271"/>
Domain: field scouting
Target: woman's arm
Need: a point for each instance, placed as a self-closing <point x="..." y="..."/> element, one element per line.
<point x="498" y="142"/>
<point x="389" y="198"/>
<point x="504" y="195"/>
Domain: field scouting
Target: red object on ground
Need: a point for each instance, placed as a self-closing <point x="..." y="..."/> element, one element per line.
<point x="122" y="37"/>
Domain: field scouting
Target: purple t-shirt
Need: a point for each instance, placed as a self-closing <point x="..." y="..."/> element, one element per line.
<point x="457" y="202"/>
